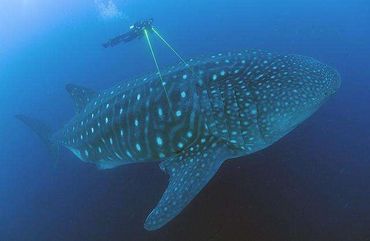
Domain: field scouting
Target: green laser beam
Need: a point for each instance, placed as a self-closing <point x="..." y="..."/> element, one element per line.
<point x="173" y="50"/>
<point x="177" y="54"/>
<point x="159" y="71"/>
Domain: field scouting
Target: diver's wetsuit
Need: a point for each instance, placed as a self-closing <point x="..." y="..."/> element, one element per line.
<point x="136" y="31"/>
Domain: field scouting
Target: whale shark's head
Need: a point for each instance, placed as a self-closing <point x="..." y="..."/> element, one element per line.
<point x="290" y="90"/>
<point x="255" y="98"/>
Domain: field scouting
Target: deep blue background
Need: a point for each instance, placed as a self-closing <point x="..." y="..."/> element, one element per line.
<point x="312" y="185"/>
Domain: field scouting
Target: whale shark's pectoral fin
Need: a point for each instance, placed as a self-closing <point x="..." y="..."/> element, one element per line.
<point x="189" y="173"/>
<point x="80" y="95"/>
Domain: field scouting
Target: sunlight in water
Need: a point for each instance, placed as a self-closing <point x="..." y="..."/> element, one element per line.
<point x="109" y="10"/>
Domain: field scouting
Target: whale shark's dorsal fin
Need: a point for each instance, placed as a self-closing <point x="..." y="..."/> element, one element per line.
<point x="80" y="95"/>
<point x="189" y="172"/>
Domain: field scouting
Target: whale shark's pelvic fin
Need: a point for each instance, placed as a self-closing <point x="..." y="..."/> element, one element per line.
<point x="80" y="95"/>
<point x="189" y="173"/>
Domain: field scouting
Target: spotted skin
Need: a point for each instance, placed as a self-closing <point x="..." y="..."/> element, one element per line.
<point x="221" y="107"/>
<point x="133" y="123"/>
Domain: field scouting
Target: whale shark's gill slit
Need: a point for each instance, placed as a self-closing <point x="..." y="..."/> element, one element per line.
<point x="239" y="109"/>
<point x="234" y="116"/>
<point x="126" y="123"/>
<point x="115" y="127"/>
<point x="258" y="122"/>
<point x="258" y="116"/>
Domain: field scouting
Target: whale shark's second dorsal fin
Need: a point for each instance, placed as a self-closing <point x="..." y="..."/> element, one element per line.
<point x="80" y="95"/>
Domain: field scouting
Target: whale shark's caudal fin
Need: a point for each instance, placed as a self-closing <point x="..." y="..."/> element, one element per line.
<point x="80" y="95"/>
<point x="189" y="172"/>
<point x="43" y="131"/>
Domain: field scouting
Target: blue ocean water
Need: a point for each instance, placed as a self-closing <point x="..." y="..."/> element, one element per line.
<point x="314" y="184"/>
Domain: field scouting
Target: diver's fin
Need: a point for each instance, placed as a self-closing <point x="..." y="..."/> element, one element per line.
<point x="43" y="131"/>
<point x="189" y="173"/>
<point x="81" y="96"/>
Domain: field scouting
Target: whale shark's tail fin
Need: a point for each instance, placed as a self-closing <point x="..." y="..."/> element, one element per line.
<point x="43" y="131"/>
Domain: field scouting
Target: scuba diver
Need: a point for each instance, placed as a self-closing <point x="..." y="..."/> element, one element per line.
<point x="136" y="31"/>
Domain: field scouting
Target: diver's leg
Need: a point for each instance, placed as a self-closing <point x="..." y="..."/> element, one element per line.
<point x="117" y="40"/>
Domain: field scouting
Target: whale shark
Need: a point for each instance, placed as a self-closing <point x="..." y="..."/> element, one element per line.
<point x="211" y="110"/>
